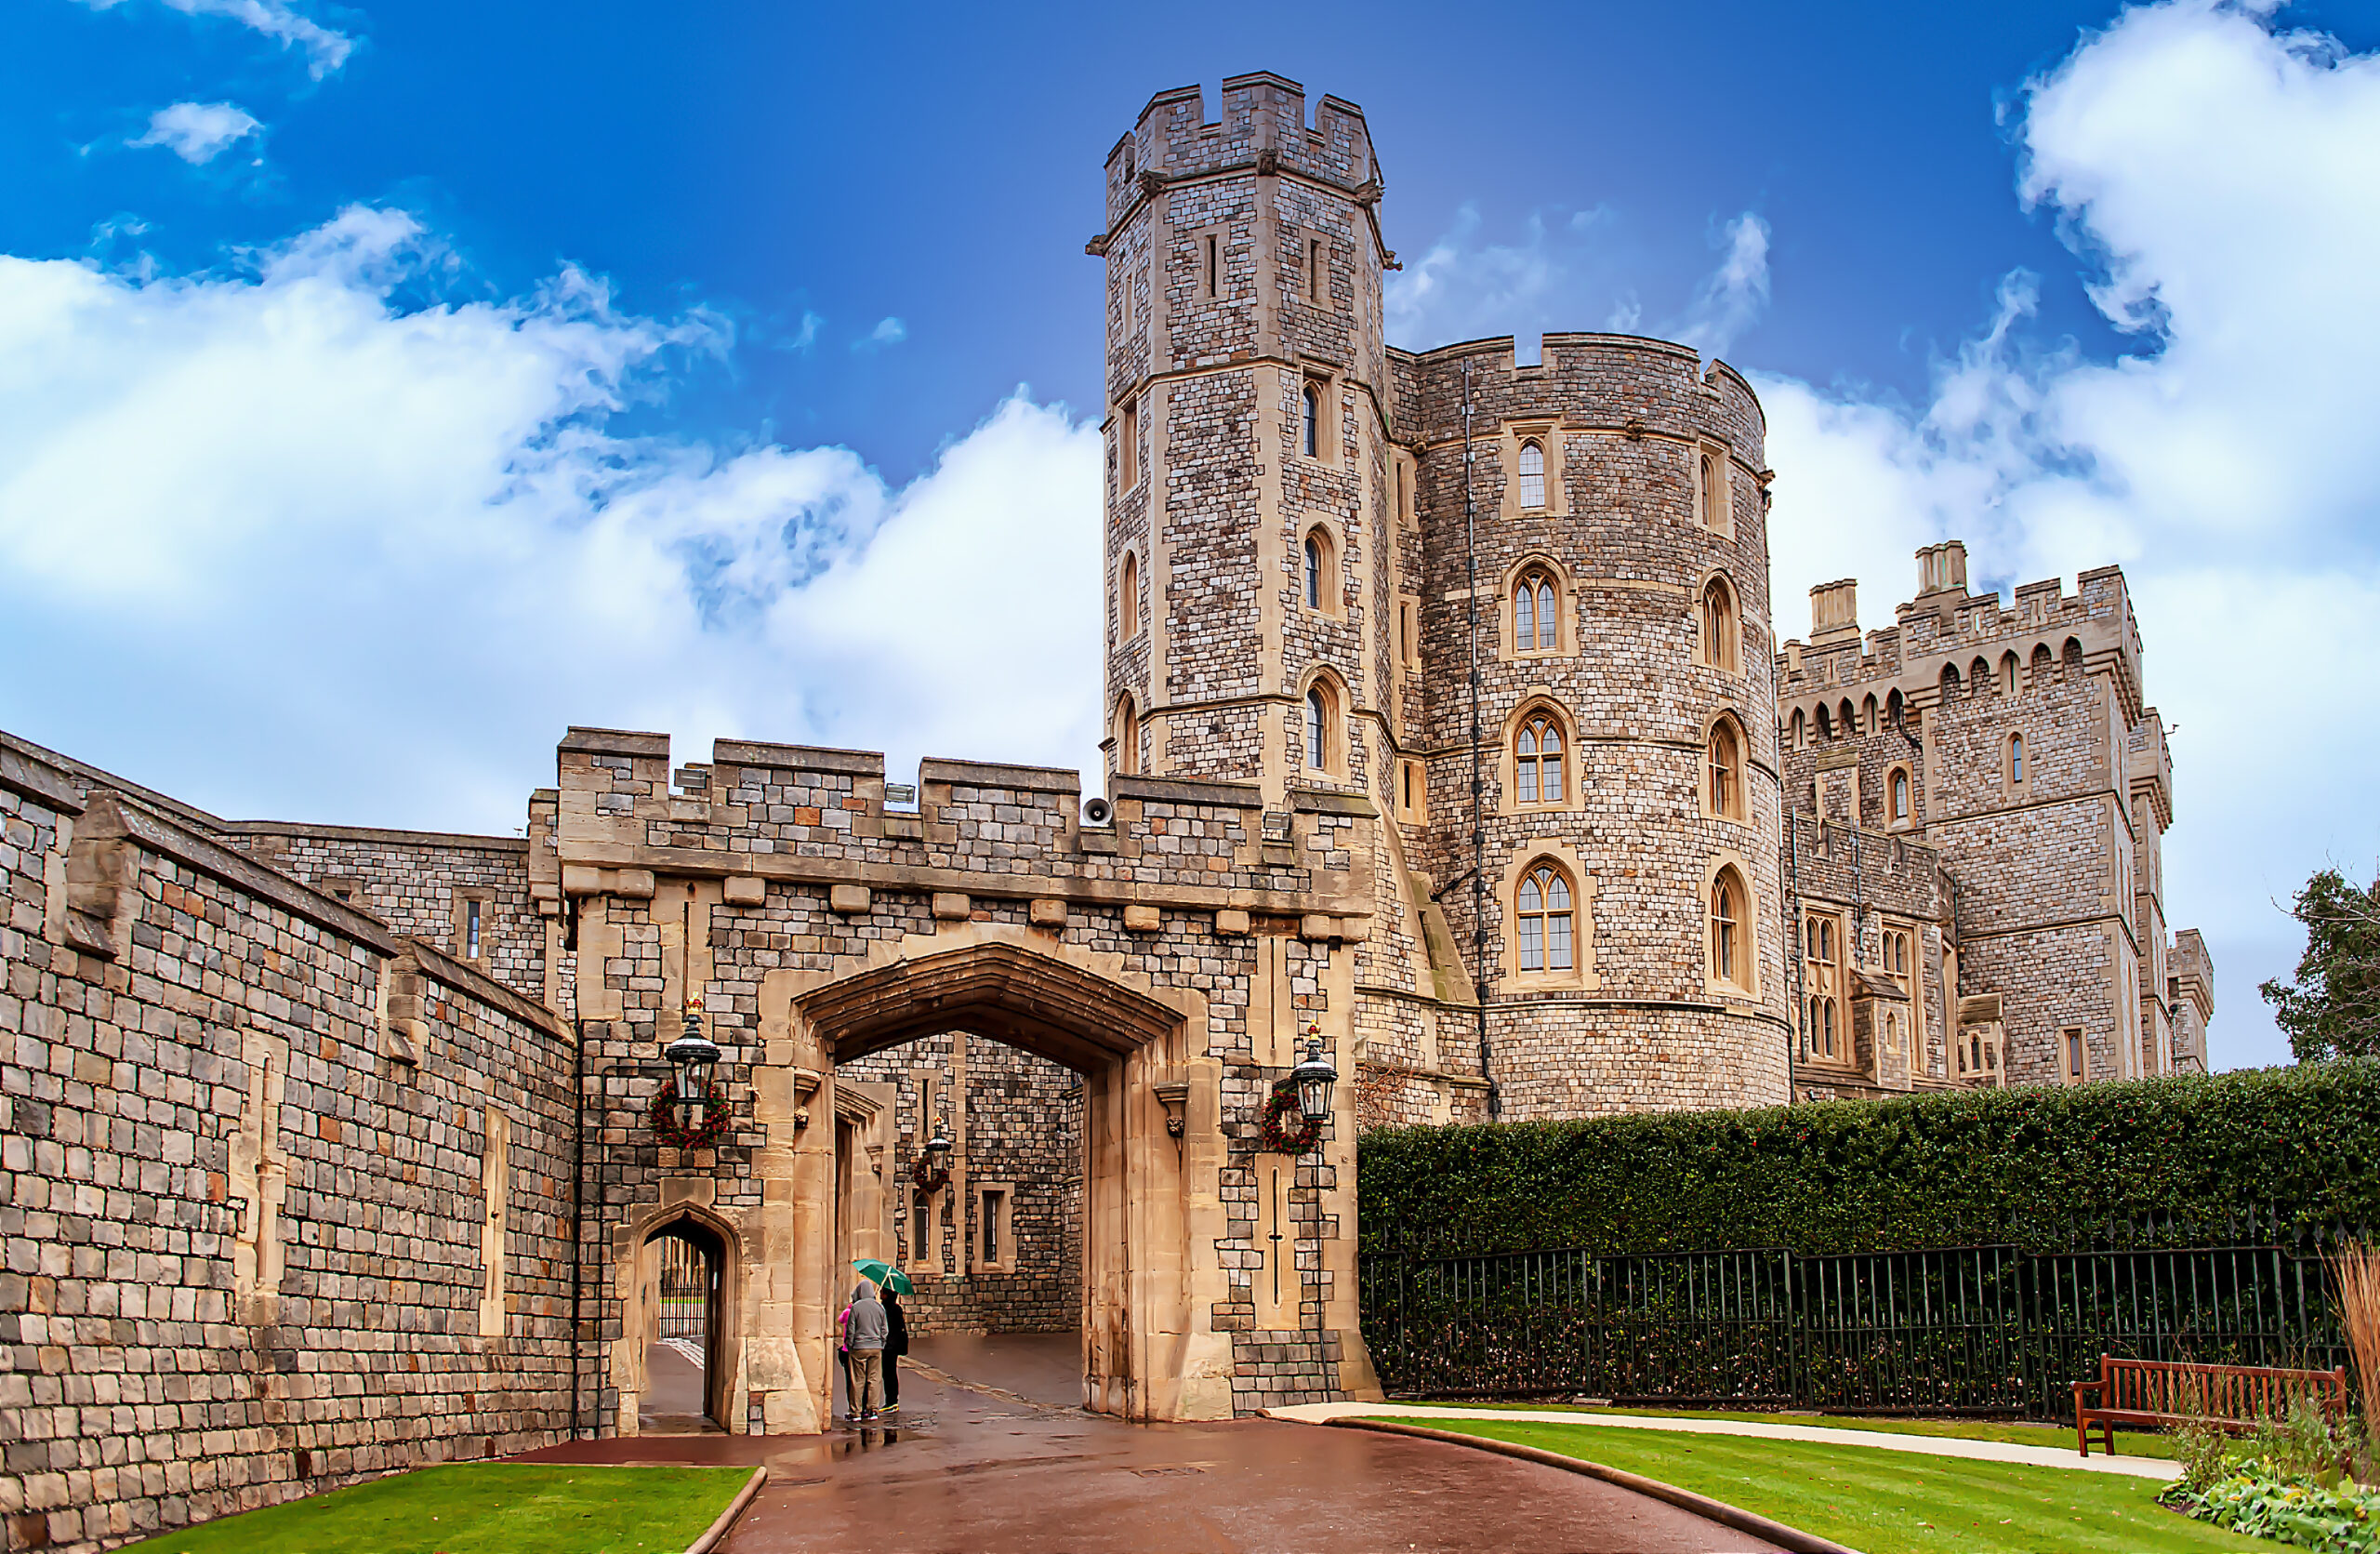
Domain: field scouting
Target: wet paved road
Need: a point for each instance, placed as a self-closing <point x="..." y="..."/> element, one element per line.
<point x="965" y="1469"/>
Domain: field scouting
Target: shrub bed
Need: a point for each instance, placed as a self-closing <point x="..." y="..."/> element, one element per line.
<point x="2173" y="1160"/>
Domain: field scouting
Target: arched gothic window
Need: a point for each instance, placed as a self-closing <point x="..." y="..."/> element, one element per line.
<point x="2007" y="674"/>
<point x="1718" y="626"/>
<point x="1826" y="722"/>
<point x="1730" y="960"/>
<point x="1128" y="737"/>
<point x="1949" y="680"/>
<point x="1532" y="473"/>
<point x="1800" y="732"/>
<point x="1899" y="800"/>
<point x="1714" y="490"/>
<point x="1321" y="727"/>
<point x="1127" y="598"/>
<point x="1537" y="762"/>
<point x="1545" y="914"/>
<point x="2015" y="758"/>
<point x="1314" y="571"/>
<point x="1312" y="422"/>
<point x="1536" y="624"/>
<point x="1726" y="771"/>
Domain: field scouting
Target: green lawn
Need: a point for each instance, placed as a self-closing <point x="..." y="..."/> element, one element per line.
<point x="1886" y="1502"/>
<point x="2132" y="1443"/>
<point x="489" y="1508"/>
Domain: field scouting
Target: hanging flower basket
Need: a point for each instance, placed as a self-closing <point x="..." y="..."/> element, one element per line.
<point x="663" y="1117"/>
<point x="1281" y="1127"/>
<point x="928" y="1178"/>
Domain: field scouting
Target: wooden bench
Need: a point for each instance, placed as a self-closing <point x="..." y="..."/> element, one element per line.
<point x="2160" y="1393"/>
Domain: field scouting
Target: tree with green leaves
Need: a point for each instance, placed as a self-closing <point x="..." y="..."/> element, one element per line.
<point x="2333" y="1010"/>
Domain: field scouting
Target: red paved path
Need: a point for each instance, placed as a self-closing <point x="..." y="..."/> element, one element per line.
<point x="966" y="1471"/>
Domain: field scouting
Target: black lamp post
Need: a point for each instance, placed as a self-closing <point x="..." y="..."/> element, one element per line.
<point x="1314" y="1079"/>
<point x="692" y="1056"/>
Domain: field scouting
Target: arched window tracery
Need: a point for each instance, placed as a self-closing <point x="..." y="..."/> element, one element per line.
<point x="1544" y="915"/>
<point x="1538" y="759"/>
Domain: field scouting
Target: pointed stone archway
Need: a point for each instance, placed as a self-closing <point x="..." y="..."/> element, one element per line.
<point x="1146" y="1353"/>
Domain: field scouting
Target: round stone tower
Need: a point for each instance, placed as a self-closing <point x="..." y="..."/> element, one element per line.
<point x="1302" y="561"/>
<point x="1606" y="546"/>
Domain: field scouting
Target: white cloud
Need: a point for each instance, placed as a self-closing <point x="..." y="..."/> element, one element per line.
<point x="1735" y="294"/>
<point x="888" y="331"/>
<point x="198" y="131"/>
<point x="2216" y="170"/>
<point x="325" y="49"/>
<point x="292" y="547"/>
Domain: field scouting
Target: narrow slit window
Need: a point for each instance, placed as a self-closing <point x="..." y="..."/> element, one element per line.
<point x="1900" y="798"/>
<point x="1210" y="264"/>
<point x="1312" y="422"/>
<point x="1317" y="721"/>
<point x="1129" y="457"/>
<point x="991" y="1224"/>
<point x="471" y="930"/>
<point x="1313" y="279"/>
<point x="1532" y="474"/>
<point x="1127" y="598"/>
<point x="2015" y="758"/>
<point x="1314" y="572"/>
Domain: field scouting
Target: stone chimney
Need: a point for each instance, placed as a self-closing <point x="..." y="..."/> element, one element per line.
<point x="1942" y="568"/>
<point x="1834" y="612"/>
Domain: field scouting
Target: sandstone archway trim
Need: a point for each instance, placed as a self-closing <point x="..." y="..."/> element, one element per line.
<point x="1006" y="991"/>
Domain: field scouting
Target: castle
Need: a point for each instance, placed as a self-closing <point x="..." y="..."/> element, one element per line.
<point x="1450" y="733"/>
<point x="1659" y="857"/>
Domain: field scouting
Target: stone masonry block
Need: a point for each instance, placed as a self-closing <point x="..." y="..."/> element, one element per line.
<point x="952" y="906"/>
<point x="746" y="890"/>
<point x="850" y="900"/>
<point x="1047" y="913"/>
<point x="1231" y="921"/>
<point x="1141" y="918"/>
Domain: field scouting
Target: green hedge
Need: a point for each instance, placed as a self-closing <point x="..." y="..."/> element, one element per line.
<point x="2044" y="1167"/>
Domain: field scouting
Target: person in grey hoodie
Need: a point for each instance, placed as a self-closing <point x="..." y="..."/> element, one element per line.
<point x="866" y="1339"/>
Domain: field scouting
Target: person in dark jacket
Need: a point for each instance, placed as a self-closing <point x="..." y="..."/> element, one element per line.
<point x="865" y="1337"/>
<point x="896" y="1344"/>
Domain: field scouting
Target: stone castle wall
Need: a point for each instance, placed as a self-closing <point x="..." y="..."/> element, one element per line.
<point x="251" y="1248"/>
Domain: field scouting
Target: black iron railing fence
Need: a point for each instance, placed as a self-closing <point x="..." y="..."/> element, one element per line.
<point x="685" y="1289"/>
<point x="1993" y="1329"/>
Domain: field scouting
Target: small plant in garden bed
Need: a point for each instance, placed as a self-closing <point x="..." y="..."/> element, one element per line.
<point x="2263" y="1499"/>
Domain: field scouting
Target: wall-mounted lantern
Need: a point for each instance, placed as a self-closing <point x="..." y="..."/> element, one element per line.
<point x="692" y="1056"/>
<point x="1314" y="1079"/>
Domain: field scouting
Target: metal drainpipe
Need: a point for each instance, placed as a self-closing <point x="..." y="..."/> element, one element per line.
<point x="1478" y="822"/>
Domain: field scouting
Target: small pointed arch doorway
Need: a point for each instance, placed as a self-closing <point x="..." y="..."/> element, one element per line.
<point x="684" y="1291"/>
<point x="1124" y="1045"/>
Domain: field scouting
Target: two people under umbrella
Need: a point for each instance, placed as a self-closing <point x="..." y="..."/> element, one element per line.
<point x="875" y="1336"/>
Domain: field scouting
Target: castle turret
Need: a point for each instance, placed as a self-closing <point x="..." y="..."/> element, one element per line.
<point x="1245" y="441"/>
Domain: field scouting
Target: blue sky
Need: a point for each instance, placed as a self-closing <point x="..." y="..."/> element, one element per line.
<point x="384" y="386"/>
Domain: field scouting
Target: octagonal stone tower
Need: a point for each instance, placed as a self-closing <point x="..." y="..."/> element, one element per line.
<point x="1295" y="584"/>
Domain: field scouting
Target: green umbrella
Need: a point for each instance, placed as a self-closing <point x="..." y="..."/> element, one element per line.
<point x="883" y="1275"/>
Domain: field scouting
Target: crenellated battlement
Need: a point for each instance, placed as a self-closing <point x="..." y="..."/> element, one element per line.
<point x="1261" y="128"/>
<point x="1627" y="383"/>
<point x="1947" y="628"/>
<point x="802" y="813"/>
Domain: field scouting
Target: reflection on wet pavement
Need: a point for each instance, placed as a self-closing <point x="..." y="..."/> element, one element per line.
<point x="968" y="1469"/>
